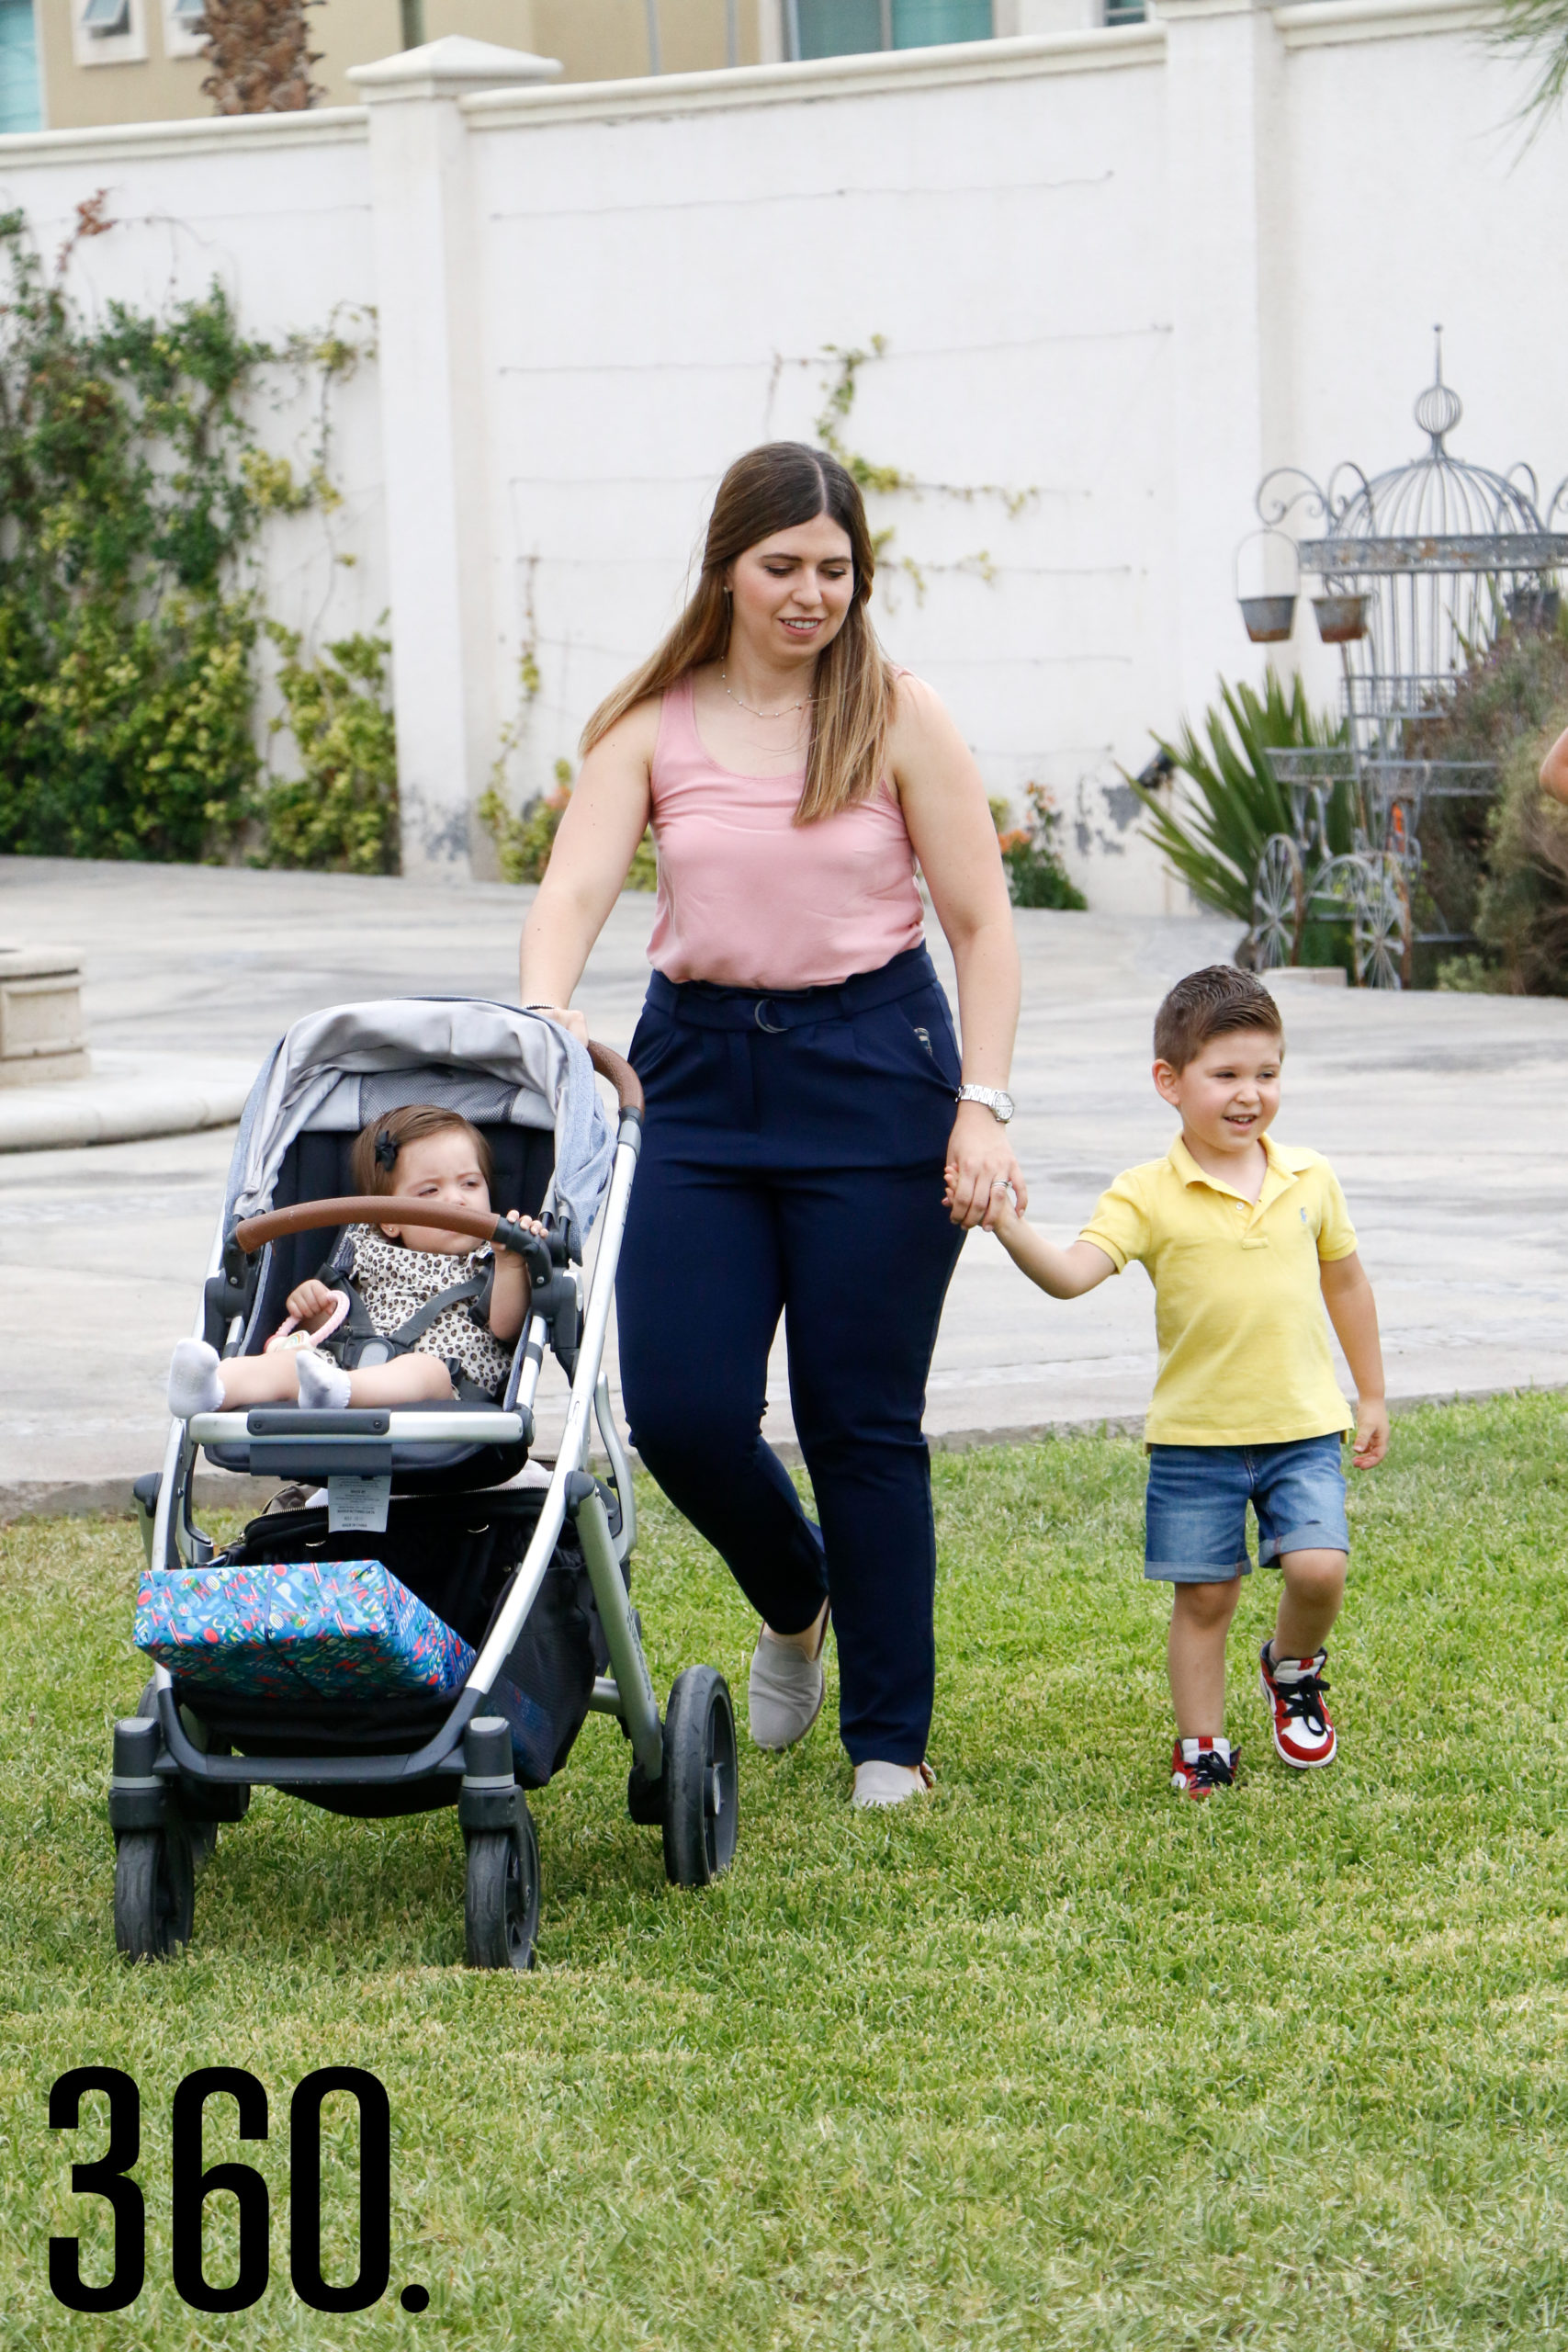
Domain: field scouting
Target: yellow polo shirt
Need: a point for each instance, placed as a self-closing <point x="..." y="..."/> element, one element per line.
<point x="1243" y="1356"/>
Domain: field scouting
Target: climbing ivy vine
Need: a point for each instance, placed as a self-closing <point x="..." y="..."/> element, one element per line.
<point x="341" y="812"/>
<point x="133" y="490"/>
<point x="525" y="836"/>
<point x="845" y="362"/>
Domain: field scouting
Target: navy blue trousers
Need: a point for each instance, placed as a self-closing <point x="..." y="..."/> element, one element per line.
<point x="793" y="1165"/>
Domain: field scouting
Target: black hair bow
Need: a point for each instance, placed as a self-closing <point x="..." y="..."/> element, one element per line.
<point x="386" y="1150"/>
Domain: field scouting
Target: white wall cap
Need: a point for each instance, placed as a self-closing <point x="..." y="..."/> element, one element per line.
<point x="1325" y="23"/>
<point x="214" y="134"/>
<point x="451" y="68"/>
<point x="941" y="66"/>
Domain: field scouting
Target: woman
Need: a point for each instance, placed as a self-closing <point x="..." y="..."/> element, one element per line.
<point x="801" y="1075"/>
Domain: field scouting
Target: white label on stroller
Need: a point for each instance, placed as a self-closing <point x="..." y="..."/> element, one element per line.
<point x="357" y="1505"/>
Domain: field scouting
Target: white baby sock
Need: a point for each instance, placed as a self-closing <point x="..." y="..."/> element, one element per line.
<point x="323" y="1385"/>
<point x="195" y="1385"/>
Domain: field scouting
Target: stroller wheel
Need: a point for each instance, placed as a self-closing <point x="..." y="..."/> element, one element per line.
<point x="500" y="1903"/>
<point x="155" y="1891"/>
<point x="701" y="1791"/>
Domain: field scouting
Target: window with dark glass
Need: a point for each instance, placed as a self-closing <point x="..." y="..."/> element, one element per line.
<point x="849" y="27"/>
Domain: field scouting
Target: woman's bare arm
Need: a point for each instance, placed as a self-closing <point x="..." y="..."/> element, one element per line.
<point x="1554" y="769"/>
<point x="605" y="818"/>
<point x="950" y="825"/>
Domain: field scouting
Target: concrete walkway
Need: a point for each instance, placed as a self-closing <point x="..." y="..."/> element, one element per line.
<point x="1446" y="1118"/>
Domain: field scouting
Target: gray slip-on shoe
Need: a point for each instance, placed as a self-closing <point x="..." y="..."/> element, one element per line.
<point x="879" y="1784"/>
<point x="784" y="1692"/>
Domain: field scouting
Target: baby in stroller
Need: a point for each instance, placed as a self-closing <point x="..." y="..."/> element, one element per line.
<point x="409" y="1315"/>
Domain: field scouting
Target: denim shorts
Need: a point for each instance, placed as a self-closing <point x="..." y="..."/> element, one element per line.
<point x="1195" y="1526"/>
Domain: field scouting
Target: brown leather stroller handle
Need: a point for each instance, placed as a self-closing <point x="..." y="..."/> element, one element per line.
<point x="620" y="1073"/>
<point x="254" y="1233"/>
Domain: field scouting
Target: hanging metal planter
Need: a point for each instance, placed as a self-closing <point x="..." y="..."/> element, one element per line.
<point x="1268" y="619"/>
<point x="1341" y="620"/>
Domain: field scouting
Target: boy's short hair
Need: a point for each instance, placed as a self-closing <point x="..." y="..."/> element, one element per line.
<point x="1208" y="1004"/>
<point x="373" y="1163"/>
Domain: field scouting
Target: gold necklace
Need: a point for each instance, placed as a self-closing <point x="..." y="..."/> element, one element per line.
<point x="724" y="680"/>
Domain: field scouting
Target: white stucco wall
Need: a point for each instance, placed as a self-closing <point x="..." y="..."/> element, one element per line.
<point x="657" y="296"/>
<point x="1120" y="272"/>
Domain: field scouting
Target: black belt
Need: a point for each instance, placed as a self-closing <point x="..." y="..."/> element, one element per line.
<point x="707" y="1006"/>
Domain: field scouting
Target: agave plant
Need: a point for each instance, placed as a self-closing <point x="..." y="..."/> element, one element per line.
<point x="1214" y="836"/>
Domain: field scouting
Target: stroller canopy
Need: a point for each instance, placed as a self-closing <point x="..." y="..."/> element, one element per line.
<point x="493" y="1064"/>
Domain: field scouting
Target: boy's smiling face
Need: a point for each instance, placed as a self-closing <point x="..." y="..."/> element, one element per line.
<point x="1229" y="1092"/>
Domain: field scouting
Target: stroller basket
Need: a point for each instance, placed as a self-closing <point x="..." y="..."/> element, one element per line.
<point x="523" y="1590"/>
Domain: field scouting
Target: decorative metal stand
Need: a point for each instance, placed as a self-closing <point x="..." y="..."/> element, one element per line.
<point x="1420" y="569"/>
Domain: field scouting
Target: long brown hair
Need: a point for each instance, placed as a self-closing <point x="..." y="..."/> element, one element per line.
<point x="773" y="488"/>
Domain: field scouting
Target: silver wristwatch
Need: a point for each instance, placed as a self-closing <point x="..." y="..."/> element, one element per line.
<point x="997" y="1100"/>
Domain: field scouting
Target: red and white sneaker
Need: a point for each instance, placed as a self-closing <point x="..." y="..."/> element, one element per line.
<point x="1200" y="1766"/>
<point x="1294" y="1687"/>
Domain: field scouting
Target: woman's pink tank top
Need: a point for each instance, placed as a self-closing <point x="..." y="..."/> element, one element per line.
<point x="750" y="900"/>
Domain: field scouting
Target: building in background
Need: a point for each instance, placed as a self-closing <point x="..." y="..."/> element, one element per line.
<point x="68" y="64"/>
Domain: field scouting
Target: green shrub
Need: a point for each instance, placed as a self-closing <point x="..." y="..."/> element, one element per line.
<point x="523" y="840"/>
<point x="1522" y="918"/>
<point x="1036" y="875"/>
<point x="1213" y="839"/>
<point x="130" y="485"/>
<point x="1487" y="863"/>
<point x="123" y="736"/>
<point x="340" y="816"/>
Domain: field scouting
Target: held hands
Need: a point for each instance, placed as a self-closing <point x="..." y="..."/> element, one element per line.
<point x="1372" y="1433"/>
<point x="980" y="1162"/>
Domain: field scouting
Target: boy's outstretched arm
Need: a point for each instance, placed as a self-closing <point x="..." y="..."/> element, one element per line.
<point x="1064" y="1274"/>
<point x="1352" y="1310"/>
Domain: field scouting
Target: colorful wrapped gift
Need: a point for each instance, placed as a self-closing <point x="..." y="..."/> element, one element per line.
<point x="330" y="1629"/>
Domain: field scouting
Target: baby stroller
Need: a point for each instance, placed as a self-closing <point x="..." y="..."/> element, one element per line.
<point x="534" y="1575"/>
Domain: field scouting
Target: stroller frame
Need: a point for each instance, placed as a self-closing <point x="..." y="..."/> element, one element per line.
<point x="167" y="1793"/>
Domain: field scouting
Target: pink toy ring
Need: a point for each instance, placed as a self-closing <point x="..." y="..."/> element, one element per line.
<point x="289" y="1336"/>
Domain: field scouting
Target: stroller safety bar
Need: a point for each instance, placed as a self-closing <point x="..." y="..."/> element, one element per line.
<point x="254" y="1233"/>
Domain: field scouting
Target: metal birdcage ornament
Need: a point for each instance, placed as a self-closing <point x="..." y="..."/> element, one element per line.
<point x="1421" y="568"/>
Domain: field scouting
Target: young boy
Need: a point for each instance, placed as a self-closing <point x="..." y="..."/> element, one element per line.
<point x="1240" y="1236"/>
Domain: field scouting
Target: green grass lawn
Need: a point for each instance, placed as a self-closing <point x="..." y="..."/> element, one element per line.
<point x="1054" y="2059"/>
